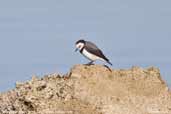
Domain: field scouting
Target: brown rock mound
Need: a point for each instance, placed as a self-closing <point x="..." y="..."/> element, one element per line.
<point x="91" y="90"/>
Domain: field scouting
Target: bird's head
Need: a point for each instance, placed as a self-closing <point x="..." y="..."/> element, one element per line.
<point x="79" y="44"/>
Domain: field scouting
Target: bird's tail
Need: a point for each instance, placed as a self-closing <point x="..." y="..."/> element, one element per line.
<point x="107" y="60"/>
<point x="109" y="63"/>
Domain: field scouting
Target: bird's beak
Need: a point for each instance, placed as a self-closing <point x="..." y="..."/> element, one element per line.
<point x="76" y="49"/>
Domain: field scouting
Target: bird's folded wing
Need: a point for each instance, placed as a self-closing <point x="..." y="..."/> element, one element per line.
<point x="90" y="47"/>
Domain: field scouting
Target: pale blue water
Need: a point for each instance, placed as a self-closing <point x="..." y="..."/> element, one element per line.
<point x="37" y="37"/>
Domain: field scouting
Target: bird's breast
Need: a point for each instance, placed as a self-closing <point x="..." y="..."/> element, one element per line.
<point x="89" y="55"/>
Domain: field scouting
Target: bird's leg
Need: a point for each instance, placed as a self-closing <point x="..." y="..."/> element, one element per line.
<point x="90" y="63"/>
<point x="107" y="68"/>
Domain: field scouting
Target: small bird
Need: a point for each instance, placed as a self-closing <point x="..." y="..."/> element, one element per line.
<point x="90" y="51"/>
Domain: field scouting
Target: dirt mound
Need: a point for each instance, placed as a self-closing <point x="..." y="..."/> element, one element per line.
<point x="91" y="90"/>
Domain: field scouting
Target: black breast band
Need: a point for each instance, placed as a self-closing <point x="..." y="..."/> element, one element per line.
<point x="81" y="51"/>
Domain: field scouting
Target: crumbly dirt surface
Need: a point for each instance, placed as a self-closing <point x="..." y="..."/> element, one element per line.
<point x="90" y="90"/>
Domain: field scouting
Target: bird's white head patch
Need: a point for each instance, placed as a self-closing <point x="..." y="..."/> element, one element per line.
<point x="80" y="44"/>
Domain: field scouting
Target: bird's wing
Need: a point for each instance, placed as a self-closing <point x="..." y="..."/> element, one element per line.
<point x="92" y="48"/>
